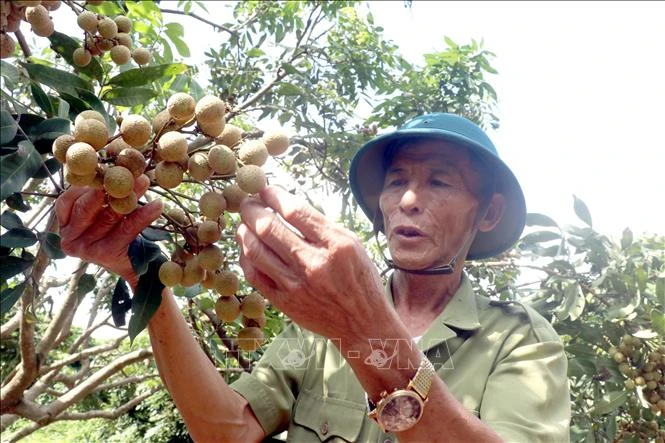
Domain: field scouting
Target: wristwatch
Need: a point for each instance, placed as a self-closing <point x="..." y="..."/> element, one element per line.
<point x="402" y="409"/>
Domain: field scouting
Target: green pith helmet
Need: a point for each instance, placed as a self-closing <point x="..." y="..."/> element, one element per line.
<point x="367" y="173"/>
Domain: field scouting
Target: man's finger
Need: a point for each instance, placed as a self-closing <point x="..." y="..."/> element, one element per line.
<point x="64" y="203"/>
<point x="310" y="222"/>
<point x="141" y="218"/>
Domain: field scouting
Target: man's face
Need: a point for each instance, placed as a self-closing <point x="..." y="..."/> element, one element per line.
<point x="428" y="203"/>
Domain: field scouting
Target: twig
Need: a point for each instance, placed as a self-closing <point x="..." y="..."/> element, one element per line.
<point x="24" y="45"/>
<point x="199" y="18"/>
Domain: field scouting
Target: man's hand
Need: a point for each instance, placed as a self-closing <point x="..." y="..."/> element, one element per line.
<point x="320" y="276"/>
<point x="92" y="231"/>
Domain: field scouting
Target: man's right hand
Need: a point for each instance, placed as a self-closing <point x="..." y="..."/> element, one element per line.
<point x="92" y="231"/>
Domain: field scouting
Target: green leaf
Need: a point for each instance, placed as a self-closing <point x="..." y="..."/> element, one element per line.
<point x="155" y="234"/>
<point x="626" y="239"/>
<point x="50" y="167"/>
<point x="65" y="46"/>
<point x="190" y="291"/>
<point x="18" y="238"/>
<point x="540" y="236"/>
<point x="195" y="89"/>
<point x="87" y="283"/>
<point x="141" y="252"/>
<point x="660" y="290"/>
<point x="121" y="303"/>
<point x="610" y="402"/>
<point x="11" y="265"/>
<point x="51" y="244"/>
<point x="582" y="211"/>
<point x="8" y="127"/>
<point x="9" y="220"/>
<point x="658" y="321"/>
<point x="288" y="89"/>
<point x="128" y="96"/>
<point x="149" y="74"/>
<point x="9" y="297"/>
<point x="181" y="46"/>
<point x="59" y="80"/>
<point x="535" y="219"/>
<point x="573" y="303"/>
<point x="9" y="72"/>
<point x="17" y="168"/>
<point x="15" y="201"/>
<point x="76" y="105"/>
<point x="146" y="299"/>
<point x="42" y="100"/>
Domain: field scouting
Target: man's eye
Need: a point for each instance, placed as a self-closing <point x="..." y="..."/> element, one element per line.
<point x="439" y="183"/>
<point x="396" y="182"/>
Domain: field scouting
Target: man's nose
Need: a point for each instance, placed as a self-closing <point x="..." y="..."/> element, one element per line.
<point x="410" y="201"/>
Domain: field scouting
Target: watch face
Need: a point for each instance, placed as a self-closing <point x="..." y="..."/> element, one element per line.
<point x="401" y="412"/>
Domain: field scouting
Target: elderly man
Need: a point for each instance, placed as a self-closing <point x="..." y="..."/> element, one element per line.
<point x="423" y="359"/>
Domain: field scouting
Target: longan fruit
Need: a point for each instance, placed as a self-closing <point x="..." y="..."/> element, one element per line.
<point x="81" y="159"/>
<point x="233" y="196"/>
<point x="226" y="283"/>
<point x="51" y="5"/>
<point x="170" y="273"/>
<point x="125" y="205"/>
<point x="250" y="338"/>
<point x="87" y="114"/>
<point x="87" y="21"/>
<point x="211" y="257"/>
<point x="107" y="28"/>
<point x="124" y="39"/>
<point x="258" y="322"/>
<point x="178" y="215"/>
<point x="82" y="57"/>
<point x="208" y="232"/>
<point x="227" y="308"/>
<point x="36" y="15"/>
<point x="77" y="179"/>
<point x="181" y="106"/>
<point x="135" y="130"/>
<point x="209" y="109"/>
<point x="192" y="273"/>
<point x="133" y="160"/>
<point x="105" y="44"/>
<point x="168" y="175"/>
<point x="27" y="2"/>
<point x="163" y="118"/>
<point x="212" y="204"/>
<point x="230" y="135"/>
<point x="172" y="146"/>
<point x="277" y="142"/>
<point x="118" y="181"/>
<point x="43" y="29"/>
<point x="253" y="305"/>
<point x="93" y="132"/>
<point x="251" y="178"/>
<point x="120" y="54"/>
<point x="123" y="23"/>
<point x="198" y="166"/>
<point x="98" y="180"/>
<point x="222" y="159"/>
<point x="60" y="146"/>
<point x="212" y="128"/>
<point x="253" y="152"/>
<point x="141" y="56"/>
<point x="209" y="280"/>
<point x="7" y="45"/>
<point x="116" y="146"/>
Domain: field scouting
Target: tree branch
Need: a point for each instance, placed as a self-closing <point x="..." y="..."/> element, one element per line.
<point x="11" y="325"/>
<point x="81" y="355"/>
<point x="230" y="345"/>
<point x="199" y="18"/>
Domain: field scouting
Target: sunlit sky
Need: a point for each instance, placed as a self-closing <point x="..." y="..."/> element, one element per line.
<point x="581" y="96"/>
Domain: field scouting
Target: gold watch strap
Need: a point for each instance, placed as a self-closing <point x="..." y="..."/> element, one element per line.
<point x="422" y="381"/>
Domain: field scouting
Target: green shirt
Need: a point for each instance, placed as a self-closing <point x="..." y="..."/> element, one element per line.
<point x="508" y="367"/>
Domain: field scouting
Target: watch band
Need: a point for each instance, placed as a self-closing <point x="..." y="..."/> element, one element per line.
<point x="422" y="381"/>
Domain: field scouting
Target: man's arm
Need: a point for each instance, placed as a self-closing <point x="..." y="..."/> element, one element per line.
<point x="91" y="230"/>
<point x="323" y="279"/>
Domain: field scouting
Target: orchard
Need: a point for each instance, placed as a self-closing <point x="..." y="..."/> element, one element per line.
<point x="98" y="94"/>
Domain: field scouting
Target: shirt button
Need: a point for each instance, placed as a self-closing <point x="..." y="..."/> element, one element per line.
<point x="324" y="428"/>
<point x="387" y="440"/>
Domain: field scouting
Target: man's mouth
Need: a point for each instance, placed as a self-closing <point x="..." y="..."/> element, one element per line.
<point x="404" y="231"/>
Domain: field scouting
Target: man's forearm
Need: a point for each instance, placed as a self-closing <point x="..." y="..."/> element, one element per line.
<point x="209" y="407"/>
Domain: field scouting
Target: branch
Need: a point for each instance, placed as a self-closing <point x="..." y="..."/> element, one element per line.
<point x="125" y="381"/>
<point x="22" y="43"/>
<point x="78" y="416"/>
<point x="81" y="355"/>
<point x="11" y="325"/>
<point x="79" y="341"/>
<point x="233" y="349"/>
<point x="199" y="18"/>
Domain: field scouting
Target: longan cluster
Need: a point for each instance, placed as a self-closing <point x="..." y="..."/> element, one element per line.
<point x="640" y="431"/>
<point x="35" y="12"/>
<point x="644" y="368"/>
<point x="104" y="34"/>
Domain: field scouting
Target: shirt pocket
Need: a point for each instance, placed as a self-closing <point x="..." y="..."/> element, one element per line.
<point x="325" y="418"/>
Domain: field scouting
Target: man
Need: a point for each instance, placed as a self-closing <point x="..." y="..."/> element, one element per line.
<point x="421" y="360"/>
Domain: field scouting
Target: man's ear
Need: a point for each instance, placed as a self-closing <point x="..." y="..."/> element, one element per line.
<point x="495" y="210"/>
